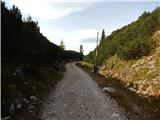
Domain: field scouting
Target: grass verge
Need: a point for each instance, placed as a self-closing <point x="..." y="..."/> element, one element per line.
<point x="136" y="107"/>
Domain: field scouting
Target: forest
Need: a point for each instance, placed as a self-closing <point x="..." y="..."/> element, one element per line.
<point x="23" y="42"/>
<point x="31" y="64"/>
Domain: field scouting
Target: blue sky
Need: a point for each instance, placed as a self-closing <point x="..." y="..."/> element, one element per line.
<point x="77" y="21"/>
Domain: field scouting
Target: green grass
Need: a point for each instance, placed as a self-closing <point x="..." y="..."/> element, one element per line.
<point x="152" y="75"/>
<point x="85" y="65"/>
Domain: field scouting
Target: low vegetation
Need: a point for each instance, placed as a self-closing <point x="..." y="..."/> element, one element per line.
<point x="131" y="41"/>
<point x="85" y="65"/>
<point x="132" y="55"/>
<point x="142" y="74"/>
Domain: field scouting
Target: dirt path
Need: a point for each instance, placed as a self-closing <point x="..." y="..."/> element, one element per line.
<point x="77" y="97"/>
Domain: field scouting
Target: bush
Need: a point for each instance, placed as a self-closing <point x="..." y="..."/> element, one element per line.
<point x="131" y="41"/>
<point x="136" y="49"/>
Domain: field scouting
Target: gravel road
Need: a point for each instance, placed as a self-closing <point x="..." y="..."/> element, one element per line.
<point x="78" y="97"/>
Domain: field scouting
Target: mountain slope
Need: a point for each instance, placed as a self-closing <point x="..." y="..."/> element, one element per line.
<point x="132" y="54"/>
<point x="131" y="41"/>
<point x="142" y="74"/>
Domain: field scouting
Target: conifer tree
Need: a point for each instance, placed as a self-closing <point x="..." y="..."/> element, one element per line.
<point x="62" y="44"/>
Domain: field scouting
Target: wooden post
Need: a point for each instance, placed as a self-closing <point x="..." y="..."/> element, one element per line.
<point x="97" y="49"/>
<point x="96" y="56"/>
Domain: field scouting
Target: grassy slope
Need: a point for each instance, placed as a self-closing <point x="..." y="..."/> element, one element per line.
<point x="132" y="54"/>
<point x="132" y="41"/>
<point x="86" y="65"/>
<point x="142" y="74"/>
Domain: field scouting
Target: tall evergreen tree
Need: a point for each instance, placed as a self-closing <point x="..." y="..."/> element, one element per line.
<point x="81" y="51"/>
<point x="103" y="35"/>
<point x="62" y="44"/>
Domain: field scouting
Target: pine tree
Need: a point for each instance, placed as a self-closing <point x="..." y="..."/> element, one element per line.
<point x="62" y="44"/>
<point x="81" y="51"/>
<point x="103" y="35"/>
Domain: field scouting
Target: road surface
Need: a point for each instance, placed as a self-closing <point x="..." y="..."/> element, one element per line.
<point x="78" y="97"/>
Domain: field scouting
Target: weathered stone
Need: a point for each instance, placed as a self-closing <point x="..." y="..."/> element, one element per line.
<point x="33" y="98"/>
<point x="132" y="89"/>
<point x="109" y="89"/>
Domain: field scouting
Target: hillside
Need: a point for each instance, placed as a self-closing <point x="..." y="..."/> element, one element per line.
<point x="132" y="54"/>
<point x="142" y="74"/>
<point x="131" y="41"/>
<point x="31" y="65"/>
<point x="22" y="41"/>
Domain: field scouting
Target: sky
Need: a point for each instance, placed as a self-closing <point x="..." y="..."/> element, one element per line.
<point x="77" y="22"/>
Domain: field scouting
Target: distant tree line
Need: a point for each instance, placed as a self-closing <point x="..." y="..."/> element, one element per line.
<point x="23" y="42"/>
<point x="131" y="41"/>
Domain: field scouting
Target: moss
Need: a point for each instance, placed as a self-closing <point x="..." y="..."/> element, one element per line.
<point x="157" y="63"/>
<point x="136" y="76"/>
<point x="115" y="63"/>
<point x="110" y="64"/>
<point x="143" y="72"/>
<point x="131" y="62"/>
<point x="85" y="65"/>
<point x="156" y="87"/>
<point x="117" y="66"/>
<point x="151" y="75"/>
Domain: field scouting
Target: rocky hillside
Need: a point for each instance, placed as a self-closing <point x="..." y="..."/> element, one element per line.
<point x="142" y="75"/>
<point x="132" y="54"/>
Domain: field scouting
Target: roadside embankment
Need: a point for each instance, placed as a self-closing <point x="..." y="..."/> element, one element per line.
<point x="24" y="89"/>
<point x="142" y="74"/>
<point x="137" y="106"/>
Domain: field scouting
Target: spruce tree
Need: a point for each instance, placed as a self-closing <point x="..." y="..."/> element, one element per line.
<point x="81" y="52"/>
<point x="62" y="44"/>
<point x="103" y="35"/>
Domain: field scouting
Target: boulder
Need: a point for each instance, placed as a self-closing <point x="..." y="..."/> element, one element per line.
<point x="109" y="89"/>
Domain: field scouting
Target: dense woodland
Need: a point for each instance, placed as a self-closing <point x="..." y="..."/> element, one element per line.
<point x="23" y="42"/>
<point x="31" y="64"/>
<point x="131" y="41"/>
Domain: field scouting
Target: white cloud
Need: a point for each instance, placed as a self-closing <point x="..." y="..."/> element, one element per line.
<point x="48" y="9"/>
<point x="44" y="10"/>
<point x="73" y="39"/>
<point x="84" y="33"/>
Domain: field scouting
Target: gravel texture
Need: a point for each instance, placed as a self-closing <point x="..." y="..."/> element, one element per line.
<point x="78" y="97"/>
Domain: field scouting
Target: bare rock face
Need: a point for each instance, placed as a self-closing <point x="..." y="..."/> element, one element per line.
<point x="109" y="89"/>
